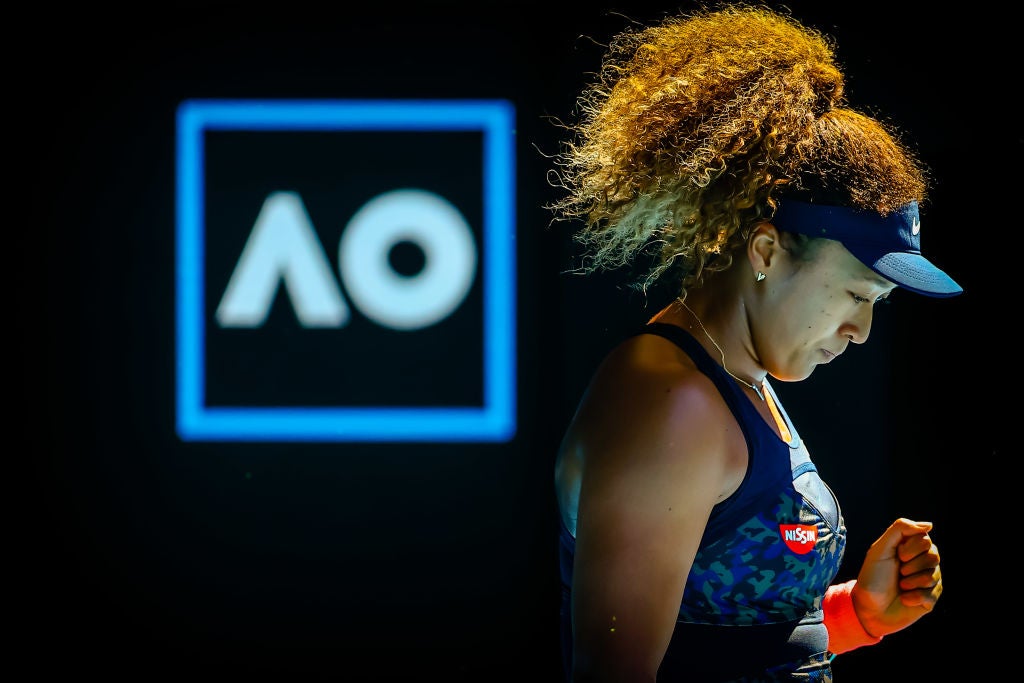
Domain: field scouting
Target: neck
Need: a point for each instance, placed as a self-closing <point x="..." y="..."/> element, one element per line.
<point x="718" y="341"/>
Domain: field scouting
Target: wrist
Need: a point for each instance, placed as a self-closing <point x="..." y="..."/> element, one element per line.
<point x="845" y="630"/>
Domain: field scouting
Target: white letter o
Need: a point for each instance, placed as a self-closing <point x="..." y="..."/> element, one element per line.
<point x="388" y="297"/>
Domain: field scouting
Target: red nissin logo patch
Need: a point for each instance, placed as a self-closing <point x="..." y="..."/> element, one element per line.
<point x="799" y="538"/>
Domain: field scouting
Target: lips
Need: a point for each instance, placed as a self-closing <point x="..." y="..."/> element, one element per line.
<point x="829" y="356"/>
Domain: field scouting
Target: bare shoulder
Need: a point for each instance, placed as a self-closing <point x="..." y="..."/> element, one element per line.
<point x="650" y="383"/>
<point x="650" y="412"/>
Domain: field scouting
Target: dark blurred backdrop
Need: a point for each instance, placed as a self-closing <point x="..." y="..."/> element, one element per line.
<point x="149" y="556"/>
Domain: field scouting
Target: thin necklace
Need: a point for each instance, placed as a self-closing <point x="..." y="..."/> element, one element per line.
<point x="757" y="389"/>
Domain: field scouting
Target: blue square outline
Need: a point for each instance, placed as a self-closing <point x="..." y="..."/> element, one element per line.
<point x="495" y="421"/>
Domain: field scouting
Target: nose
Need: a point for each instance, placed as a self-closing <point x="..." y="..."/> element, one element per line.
<point x="858" y="326"/>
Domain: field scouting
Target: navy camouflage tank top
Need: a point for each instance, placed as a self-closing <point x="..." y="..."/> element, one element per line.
<point x="751" y="607"/>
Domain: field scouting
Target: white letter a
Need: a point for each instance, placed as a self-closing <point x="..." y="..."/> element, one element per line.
<point x="283" y="246"/>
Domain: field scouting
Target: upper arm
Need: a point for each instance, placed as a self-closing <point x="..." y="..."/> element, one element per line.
<point x="658" y="457"/>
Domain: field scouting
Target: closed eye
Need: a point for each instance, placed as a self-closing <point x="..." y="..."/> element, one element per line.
<point x="864" y="300"/>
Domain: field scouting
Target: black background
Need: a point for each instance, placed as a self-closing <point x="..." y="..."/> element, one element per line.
<point x="147" y="557"/>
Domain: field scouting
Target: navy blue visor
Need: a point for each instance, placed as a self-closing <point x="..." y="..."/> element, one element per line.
<point x="889" y="245"/>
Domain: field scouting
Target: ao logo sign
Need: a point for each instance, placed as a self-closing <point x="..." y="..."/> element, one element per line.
<point x="293" y="322"/>
<point x="284" y="246"/>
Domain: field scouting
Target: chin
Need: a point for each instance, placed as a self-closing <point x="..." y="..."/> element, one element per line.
<point x="793" y="376"/>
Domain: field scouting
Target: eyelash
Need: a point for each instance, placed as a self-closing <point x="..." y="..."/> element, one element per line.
<point x="863" y="300"/>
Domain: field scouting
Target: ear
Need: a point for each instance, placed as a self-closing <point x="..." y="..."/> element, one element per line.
<point x="763" y="246"/>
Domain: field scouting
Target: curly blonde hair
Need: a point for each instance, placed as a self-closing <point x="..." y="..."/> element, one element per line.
<point x="694" y="127"/>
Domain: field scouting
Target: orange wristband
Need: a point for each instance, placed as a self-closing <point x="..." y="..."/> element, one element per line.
<point x="845" y="632"/>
